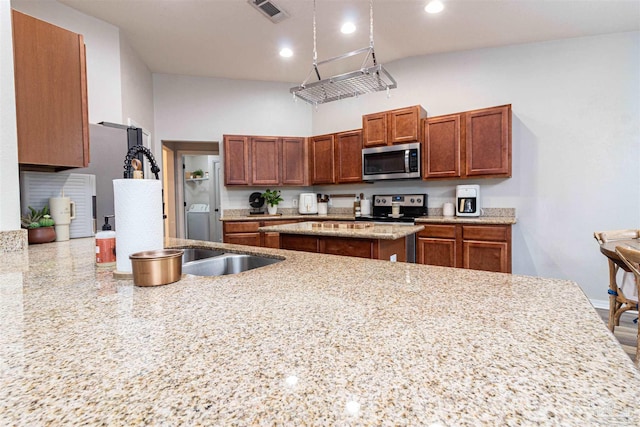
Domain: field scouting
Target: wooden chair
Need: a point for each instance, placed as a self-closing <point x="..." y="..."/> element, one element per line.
<point x="618" y="302"/>
<point x="631" y="258"/>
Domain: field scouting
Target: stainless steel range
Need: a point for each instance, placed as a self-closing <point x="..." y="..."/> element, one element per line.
<point x="400" y="209"/>
<point x="410" y="207"/>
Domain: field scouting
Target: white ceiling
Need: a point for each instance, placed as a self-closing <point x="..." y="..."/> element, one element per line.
<point x="230" y="39"/>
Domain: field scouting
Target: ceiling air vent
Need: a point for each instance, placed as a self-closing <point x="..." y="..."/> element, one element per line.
<point x="269" y="9"/>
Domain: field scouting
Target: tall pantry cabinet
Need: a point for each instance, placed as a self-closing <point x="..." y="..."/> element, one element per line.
<point x="51" y="94"/>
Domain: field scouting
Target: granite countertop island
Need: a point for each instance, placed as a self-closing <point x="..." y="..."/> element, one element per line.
<point x="312" y="340"/>
<point x="355" y="230"/>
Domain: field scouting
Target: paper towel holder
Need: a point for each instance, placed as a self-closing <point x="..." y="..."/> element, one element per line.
<point x="128" y="168"/>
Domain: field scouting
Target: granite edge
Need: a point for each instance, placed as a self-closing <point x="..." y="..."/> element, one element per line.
<point x="13" y="240"/>
<point x="397" y="232"/>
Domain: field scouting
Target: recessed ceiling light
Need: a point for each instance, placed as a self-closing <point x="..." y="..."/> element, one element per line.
<point x="348" y="28"/>
<point x="434" y="6"/>
<point x="285" y="52"/>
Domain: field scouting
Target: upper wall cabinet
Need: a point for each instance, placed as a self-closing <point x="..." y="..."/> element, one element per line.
<point x="321" y="159"/>
<point x="336" y="158"/>
<point x="488" y="142"/>
<point x="51" y="94"/>
<point x="295" y="170"/>
<point x="236" y="160"/>
<point x="348" y="156"/>
<point x="469" y="144"/>
<point x="392" y="127"/>
<point x="265" y="160"/>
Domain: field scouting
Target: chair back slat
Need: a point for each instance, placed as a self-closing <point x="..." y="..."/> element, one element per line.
<point x="610" y="236"/>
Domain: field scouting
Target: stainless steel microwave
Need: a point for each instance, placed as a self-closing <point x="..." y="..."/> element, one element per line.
<point x="400" y="161"/>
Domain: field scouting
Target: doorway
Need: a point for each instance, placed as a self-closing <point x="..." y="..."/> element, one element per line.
<point x="178" y="191"/>
<point x="201" y="197"/>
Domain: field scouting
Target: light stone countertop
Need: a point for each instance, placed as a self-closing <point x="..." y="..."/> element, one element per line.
<point x="431" y="219"/>
<point x="311" y="217"/>
<point x="376" y="231"/>
<point x="480" y="220"/>
<point x="313" y="340"/>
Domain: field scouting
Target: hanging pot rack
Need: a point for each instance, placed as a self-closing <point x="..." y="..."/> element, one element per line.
<point x="371" y="77"/>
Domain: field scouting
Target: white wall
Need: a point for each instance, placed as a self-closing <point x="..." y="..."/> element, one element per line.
<point x="576" y="141"/>
<point x="137" y="88"/>
<point x="9" y="187"/>
<point x="203" y="109"/>
<point x="103" y="54"/>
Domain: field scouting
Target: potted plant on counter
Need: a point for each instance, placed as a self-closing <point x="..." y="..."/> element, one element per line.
<point x="197" y="174"/>
<point x="39" y="225"/>
<point x="272" y="198"/>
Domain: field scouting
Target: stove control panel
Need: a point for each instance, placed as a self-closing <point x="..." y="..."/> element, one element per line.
<point x="406" y="200"/>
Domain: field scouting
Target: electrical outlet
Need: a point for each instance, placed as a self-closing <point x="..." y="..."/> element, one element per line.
<point x="295" y="202"/>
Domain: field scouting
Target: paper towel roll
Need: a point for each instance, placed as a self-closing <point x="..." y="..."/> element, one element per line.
<point x="139" y="225"/>
<point x="365" y="207"/>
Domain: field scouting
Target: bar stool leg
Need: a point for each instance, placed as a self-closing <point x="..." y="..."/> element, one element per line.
<point x="613" y="286"/>
<point x="637" y="361"/>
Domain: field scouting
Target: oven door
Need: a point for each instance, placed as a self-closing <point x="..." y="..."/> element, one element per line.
<point x="391" y="162"/>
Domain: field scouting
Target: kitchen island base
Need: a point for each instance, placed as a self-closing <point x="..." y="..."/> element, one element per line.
<point x="390" y="250"/>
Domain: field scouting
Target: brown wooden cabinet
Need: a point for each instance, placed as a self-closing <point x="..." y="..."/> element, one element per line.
<point x="247" y="232"/>
<point x="361" y="248"/>
<point x="478" y="247"/>
<point x="236" y="160"/>
<point x="436" y="245"/>
<point x="294" y="161"/>
<point x="336" y="158"/>
<point x="488" y="142"/>
<point x="398" y="126"/>
<point x="469" y="144"/>
<point x="348" y="156"/>
<point x="442" y="144"/>
<point x="51" y="94"/>
<point x="265" y="160"/>
<point x="241" y="233"/>
<point x="321" y="159"/>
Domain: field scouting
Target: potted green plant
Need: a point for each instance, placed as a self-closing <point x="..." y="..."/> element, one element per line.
<point x="39" y="225"/>
<point x="198" y="173"/>
<point x="272" y="198"/>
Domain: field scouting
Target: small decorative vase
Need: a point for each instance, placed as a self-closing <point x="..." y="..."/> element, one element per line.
<point x="41" y="235"/>
<point x="272" y="209"/>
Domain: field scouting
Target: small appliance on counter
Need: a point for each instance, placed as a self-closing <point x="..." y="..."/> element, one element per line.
<point x="308" y="203"/>
<point x="256" y="201"/>
<point x="63" y="210"/>
<point x="467" y="200"/>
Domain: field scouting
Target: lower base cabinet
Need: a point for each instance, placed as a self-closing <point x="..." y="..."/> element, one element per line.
<point x="477" y="247"/>
<point x="361" y="248"/>
<point x="246" y="233"/>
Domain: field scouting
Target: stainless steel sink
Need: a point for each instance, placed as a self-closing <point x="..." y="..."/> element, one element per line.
<point x="194" y="254"/>
<point x="226" y="263"/>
